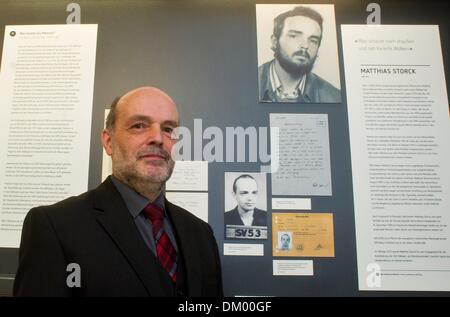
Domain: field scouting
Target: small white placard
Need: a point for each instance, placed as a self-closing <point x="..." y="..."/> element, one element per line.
<point x="293" y="267"/>
<point x="189" y="175"/>
<point x="243" y="249"/>
<point x="291" y="203"/>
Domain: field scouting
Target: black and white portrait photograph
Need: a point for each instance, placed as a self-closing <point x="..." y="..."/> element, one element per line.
<point x="245" y="206"/>
<point x="284" y="240"/>
<point x="297" y="54"/>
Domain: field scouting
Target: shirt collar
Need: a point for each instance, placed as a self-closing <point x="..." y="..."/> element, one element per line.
<point x="135" y="202"/>
<point x="245" y="214"/>
<point x="275" y="83"/>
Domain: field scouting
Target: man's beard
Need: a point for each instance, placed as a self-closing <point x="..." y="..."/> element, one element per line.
<point x="133" y="173"/>
<point x="294" y="68"/>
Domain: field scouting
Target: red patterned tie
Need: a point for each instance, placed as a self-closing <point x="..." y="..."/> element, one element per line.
<point x="165" y="251"/>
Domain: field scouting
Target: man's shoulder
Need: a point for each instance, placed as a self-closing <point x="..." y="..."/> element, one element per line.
<point x="265" y="66"/>
<point x="231" y="212"/>
<point x="264" y="82"/>
<point x="69" y="202"/>
<point x="74" y="205"/>
<point x="263" y="74"/>
<point x="260" y="211"/>
<point x="325" y="90"/>
<point x="231" y="215"/>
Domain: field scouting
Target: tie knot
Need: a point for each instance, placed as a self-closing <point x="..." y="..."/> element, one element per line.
<point x="154" y="212"/>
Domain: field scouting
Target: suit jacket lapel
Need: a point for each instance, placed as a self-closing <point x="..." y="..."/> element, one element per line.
<point x="189" y="250"/>
<point x="113" y="216"/>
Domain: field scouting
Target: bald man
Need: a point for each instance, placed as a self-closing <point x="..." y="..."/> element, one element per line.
<point x="108" y="241"/>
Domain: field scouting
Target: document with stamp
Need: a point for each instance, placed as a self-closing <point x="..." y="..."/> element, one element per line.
<point x="302" y="234"/>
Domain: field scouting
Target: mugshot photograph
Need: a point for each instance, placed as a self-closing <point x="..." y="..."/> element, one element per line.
<point x="244" y="192"/>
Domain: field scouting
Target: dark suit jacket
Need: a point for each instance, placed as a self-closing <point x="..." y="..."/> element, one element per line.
<point x="259" y="217"/>
<point x="317" y="89"/>
<point x="96" y="231"/>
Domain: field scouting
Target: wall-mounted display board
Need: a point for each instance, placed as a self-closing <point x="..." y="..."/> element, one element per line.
<point x="327" y="121"/>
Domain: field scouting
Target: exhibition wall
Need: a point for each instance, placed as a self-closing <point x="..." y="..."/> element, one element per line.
<point x="205" y="55"/>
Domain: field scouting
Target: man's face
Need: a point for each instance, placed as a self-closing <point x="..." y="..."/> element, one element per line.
<point x="141" y="143"/>
<point x="246" y="193"/>
<point x="285" y="240"/>
<point x="296" y="49"/>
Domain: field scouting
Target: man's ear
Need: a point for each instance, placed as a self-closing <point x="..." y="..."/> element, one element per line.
<point x="106" y="140"/>
<point x="234" y="195"/>
<point x="274" y="43"/>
